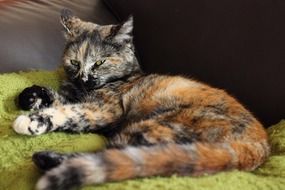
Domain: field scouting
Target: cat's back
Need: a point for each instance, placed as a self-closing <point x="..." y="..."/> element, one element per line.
<point x="154" y="88"/>
<point x="188" y="100"/>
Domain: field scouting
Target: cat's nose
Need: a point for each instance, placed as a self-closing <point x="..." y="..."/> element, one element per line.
<point x="91" y="82"/>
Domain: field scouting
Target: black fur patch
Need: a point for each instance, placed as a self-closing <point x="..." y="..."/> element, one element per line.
<point x="187" y="138"/>
<point x="240" y="125"/>
<point x="42" y="120"/>
<point x="185" y="170"/>
<point x="34" y="92"/>
<point x="219" y="109"/>
<point x="71" y="178"/>
<point x="46" y="160"/>
<point x="238" y="128"/>
<point x="31" y="131"/>
<point x="48" y="122"/>
<point x="137" y="139"/>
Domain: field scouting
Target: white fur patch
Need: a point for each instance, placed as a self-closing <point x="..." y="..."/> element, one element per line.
<point x="21" y="125"/>
<point x="94" y="169"/>
<point x="37" y="104"/>
<point x="42" y="183"/>
<point x="135" y="154"/>
<point x="58" y="117"/>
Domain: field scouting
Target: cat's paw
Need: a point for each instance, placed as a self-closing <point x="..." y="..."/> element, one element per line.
<point x="21" y="124"/>
<point x="26" y="125"/>
<point x="34" y="97"/>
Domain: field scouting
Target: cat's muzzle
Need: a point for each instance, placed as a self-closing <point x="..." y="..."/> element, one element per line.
<point x="91" y="83"/>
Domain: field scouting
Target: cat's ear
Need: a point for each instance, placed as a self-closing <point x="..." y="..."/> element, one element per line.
<point x="68" y="20"/>
<point x="123" y="32"/>
<point x="74" y="26"/>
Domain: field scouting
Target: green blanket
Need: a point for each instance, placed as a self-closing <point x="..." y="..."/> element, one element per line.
<point x="18" y="172"/>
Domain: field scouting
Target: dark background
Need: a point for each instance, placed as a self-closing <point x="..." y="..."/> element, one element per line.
<point x="237" y="45"/>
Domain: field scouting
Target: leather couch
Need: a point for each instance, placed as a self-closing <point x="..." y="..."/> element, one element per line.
<point x="237" y="45"/>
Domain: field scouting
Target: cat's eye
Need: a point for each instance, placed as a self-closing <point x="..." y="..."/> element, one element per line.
<point x="75" y="62"/>
<point x="97" y="64"/>
<point x="100" y="62"/>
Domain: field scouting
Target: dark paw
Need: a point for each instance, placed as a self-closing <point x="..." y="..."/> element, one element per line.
<point x="34" y="97"/>
<point x="47" y="160"/>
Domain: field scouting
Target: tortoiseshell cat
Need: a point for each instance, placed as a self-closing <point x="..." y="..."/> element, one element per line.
<point x="155" y="124"/>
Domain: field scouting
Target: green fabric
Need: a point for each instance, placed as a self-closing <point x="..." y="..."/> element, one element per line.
<point x="17" y="171"/>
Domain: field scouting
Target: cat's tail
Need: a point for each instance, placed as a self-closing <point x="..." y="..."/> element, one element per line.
<point x="131" y="162"/>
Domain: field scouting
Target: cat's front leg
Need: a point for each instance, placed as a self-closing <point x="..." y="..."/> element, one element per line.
<point x="87" y="117"/>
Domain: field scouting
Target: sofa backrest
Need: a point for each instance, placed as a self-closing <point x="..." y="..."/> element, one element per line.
<point x="31" y="34"/>
<point x="237" y="45"/>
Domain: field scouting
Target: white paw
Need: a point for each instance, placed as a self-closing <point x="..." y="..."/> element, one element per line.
<point x="24" y="125"/>
<point x="21" y="125"/>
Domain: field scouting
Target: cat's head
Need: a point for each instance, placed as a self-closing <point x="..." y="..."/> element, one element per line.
<point x="97" y="54"/>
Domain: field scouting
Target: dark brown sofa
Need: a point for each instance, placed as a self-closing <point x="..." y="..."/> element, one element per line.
<point x="237" y="45"/>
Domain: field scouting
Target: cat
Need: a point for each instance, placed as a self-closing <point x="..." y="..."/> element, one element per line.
<point x="155" y="124"/>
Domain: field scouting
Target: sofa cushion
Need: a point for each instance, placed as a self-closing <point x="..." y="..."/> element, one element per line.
<point x="237" y="45"/>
